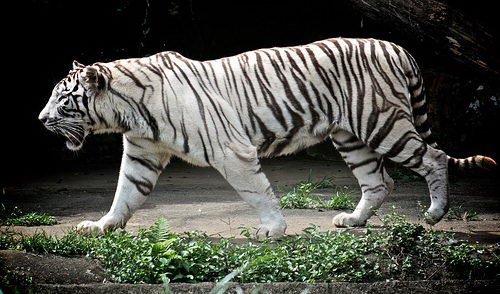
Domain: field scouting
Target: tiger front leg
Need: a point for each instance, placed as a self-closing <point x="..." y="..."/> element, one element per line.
<point x="141" y="166"/>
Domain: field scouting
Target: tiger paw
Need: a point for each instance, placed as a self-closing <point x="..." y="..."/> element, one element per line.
<point x="432" y="217"/>
<point x="270" y="231"/>
<point x="343" y="219"/>
<point x="90" y="228"/>
<point x="99" y="227"/>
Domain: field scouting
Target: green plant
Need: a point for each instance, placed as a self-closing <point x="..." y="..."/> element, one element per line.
<point x="340" y="201"/>
<point x="71" y="244"/>
<point x="8" y="240"/>
<point x="302" y="196"/>
<point x="403" y="250"/>
<point x="17" y="218"/>
<point x="403" y="174"/>
<point x="460" y="213"/>
<point x="414" y="252"/>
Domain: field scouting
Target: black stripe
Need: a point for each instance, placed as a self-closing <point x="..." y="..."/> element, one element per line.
<point x="298" y="123"/>
<point x="422" y="128"/>
<point x="205" y="153"/>
<point x="144" y="186"/>
<point x="367" y="161"/>
<point x="375" y="189"/>
<point x="132" y="143"/>
<point x="201" y="107"/>
<point x="294" y="64"/>
<point x="418" y="154"/>
<point x="350" y="148"/>
<point x="419" y="111"/>
<point x="146" y="163"/>
<point x="384" y="131"/>
<point x="269" y="136"/>
<point x="286" y="86"/>
<point x="153" y="125"/>
<point x="277" y="112"/>
<point x="184" y="135"/>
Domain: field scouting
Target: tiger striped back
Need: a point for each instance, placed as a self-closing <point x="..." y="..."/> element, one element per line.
<point x="286" y="98"/>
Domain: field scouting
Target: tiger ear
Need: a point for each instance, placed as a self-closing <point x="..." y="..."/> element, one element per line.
<point x="77" y="65"/>
<point x="92" y="79"/>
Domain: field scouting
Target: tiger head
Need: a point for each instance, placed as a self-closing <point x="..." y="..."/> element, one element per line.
<point x="69" y="111"/>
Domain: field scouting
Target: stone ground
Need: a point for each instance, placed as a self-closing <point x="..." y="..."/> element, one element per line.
<point x="194" y="198"/>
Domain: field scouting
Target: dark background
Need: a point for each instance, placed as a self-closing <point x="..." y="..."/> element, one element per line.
<point x="45" y="36"/>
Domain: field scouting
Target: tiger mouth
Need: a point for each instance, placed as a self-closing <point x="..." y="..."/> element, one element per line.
<point x="75" y="135"/>
<point x="73" y="145"/>
<point x="74" y="140"/>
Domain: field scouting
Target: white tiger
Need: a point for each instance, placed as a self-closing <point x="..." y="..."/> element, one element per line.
<point x="366" y="95"/>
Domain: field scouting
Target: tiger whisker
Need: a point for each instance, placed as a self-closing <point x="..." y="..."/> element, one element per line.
<point x="72" y="128"/>
<point x="72" y="132"/>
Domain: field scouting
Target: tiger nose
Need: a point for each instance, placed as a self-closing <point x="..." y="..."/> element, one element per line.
<point x="43" y="118"/>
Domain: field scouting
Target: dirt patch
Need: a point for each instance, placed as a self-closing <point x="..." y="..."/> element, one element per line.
<point x="393" y="287"/>
<point x="49" y="269"/>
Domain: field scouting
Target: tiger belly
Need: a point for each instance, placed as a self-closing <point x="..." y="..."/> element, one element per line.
<point x="291" y="142"/>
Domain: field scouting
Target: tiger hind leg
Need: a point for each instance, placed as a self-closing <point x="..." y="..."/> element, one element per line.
<point x="367" y="166"/>
<point x="402" y="144"/>
<point x="434" y="168"/>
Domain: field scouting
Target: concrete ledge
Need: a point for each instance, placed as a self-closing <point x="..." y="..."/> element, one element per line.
<point x="396" y="287"/>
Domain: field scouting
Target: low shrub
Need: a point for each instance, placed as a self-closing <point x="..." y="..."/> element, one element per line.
<point x="402" y="250"/>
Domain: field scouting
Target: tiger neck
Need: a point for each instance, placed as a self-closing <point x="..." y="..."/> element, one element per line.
<point x="118" y="111"/>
